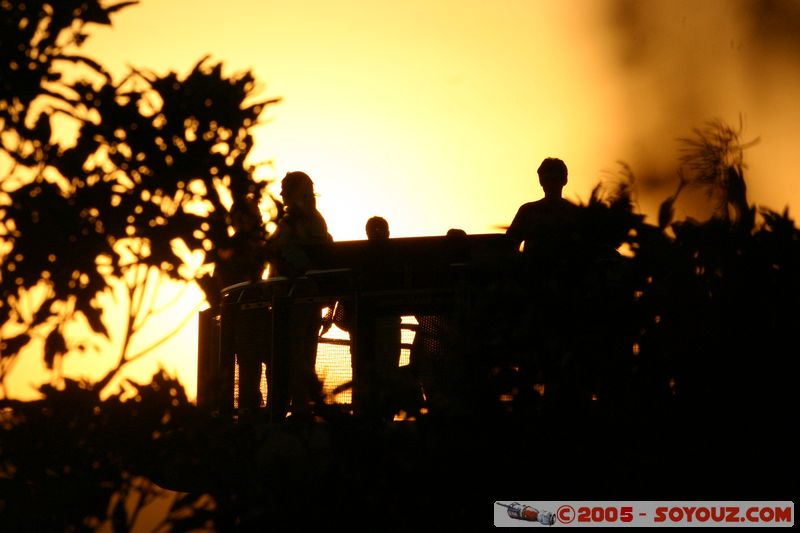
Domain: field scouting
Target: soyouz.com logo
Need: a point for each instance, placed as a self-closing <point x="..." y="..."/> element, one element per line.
<point x="645" y="513"/>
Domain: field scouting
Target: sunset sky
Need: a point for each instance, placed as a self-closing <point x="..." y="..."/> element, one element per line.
<point x="435" y="114"/>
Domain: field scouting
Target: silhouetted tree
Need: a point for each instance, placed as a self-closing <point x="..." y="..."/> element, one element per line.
<point x="143" y="182"/>
<point x="104" y="185"/>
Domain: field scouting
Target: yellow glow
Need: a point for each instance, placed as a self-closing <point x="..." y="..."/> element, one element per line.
<point x="435" y="115"/>
<point x="407" y="112"/>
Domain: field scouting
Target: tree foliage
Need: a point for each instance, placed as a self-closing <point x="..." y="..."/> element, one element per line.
<point x="144" y="180"/>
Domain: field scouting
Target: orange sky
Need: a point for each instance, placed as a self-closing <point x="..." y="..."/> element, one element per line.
<point x="435" y="114"/>
<point x="431" y="114"/>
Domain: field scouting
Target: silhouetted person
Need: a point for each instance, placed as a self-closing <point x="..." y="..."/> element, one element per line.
<point x="558" y="262"/>
<point x="301" y="226"/>
<point x="242" y="258"/>
<point x="431" y="357"/>
<point x="456" y="233"/>
<point x="375" y="340"/>
<point x="548" y="226"/>
<point x="377" y="357"/>
<point x="377" y="229"/>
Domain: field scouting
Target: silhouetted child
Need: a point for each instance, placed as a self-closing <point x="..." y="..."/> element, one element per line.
<point x="377" y="229"/>
<point x="375" y="340"/>
<point x="241" y="258"/>
<point x="431" y="356"/>
<point x="377" y="358"/>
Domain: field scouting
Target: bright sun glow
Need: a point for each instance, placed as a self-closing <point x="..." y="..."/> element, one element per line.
<point x="435" y="115"/>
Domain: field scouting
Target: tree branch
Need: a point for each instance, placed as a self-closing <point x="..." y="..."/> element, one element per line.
<point x="168" y="336"/>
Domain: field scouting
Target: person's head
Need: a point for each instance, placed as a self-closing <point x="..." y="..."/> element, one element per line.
<point x="297" y="192"/>
<point x="377" y="228"/>
<point x="552" y="176"/>
<point x="245" y="214"/>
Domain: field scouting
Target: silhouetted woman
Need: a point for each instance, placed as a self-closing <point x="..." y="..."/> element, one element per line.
<point x="302" y="226"/>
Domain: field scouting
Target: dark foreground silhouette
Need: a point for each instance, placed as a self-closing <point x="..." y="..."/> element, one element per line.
<point x="668" y="374"/>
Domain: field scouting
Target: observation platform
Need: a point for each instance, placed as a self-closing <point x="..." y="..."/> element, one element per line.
<point x="388" y="307"/>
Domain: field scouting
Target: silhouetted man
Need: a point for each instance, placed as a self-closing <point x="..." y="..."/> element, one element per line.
<point x="549" y="225"/>
<point x="557" y="262"/>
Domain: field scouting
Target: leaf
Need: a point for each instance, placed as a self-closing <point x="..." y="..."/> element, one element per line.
<point x="187" y="500"/>
<point x="9" y="347"/>
<point x="42" y="130"/>
<point x="44" y="311"/>
<point x="198" y="520"/>
<point x="121" y="5"/>
<point x="120" y="517"/>
<point x="666" y="212"/>
<point x="86" y="61"/>
<point x="54" y="346"/>
<point x="94" y="317"/>
<point x="94" y="12"/>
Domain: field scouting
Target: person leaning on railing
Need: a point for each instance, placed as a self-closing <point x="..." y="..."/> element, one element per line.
<point x="242" y="258"/>
<point x="300" y="226"/>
